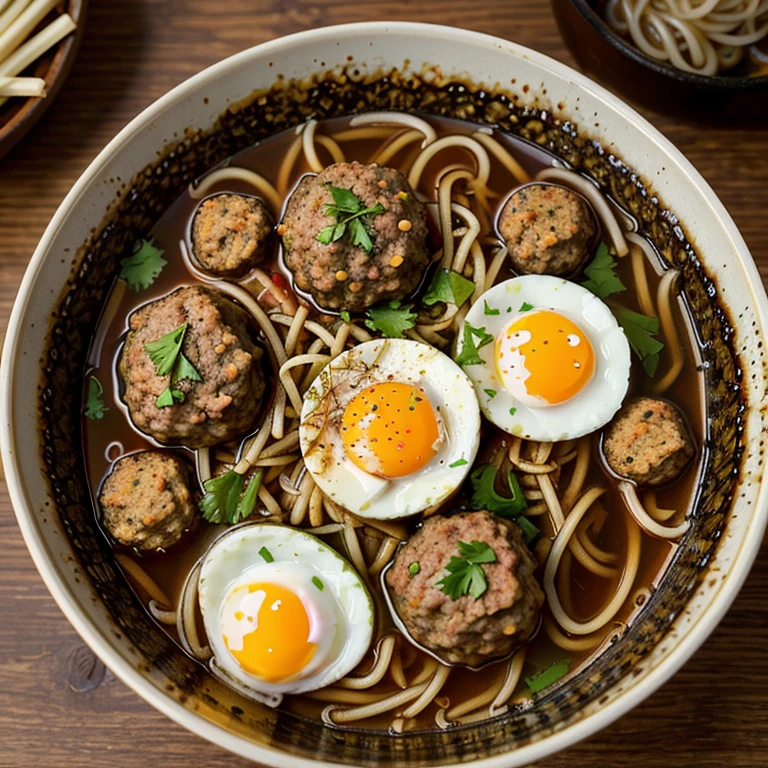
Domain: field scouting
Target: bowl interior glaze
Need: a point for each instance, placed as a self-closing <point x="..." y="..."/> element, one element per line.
<point x="326" y="73"/>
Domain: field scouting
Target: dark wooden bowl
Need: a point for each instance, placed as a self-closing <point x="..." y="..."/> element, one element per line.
<point x="18" y="115"/>
<point x="658" y="86"/>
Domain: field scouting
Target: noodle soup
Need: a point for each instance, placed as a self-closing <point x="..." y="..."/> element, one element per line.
<point x="597" y="510"/>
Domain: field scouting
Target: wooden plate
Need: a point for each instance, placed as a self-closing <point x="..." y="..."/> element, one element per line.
<point x="18" y="115"/>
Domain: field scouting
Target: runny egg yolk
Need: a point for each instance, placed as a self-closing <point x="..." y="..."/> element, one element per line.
<point x="390" y="429"/>
<point x="266" y="628"/>
<point x="543" y="358"/>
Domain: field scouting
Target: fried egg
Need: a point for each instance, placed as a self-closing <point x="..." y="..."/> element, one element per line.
<point x="283" y="612"/>
<point x="553" y="361"/>
<point x="390" y="428"/>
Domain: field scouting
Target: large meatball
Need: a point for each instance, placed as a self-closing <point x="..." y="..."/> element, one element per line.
<point x="467" y="630"/>
<point x="220" y="407"/>
<point x="147" y="501"/>
<point x="648" y="442"/>
<point x="548" y="230"/>
<point x="230" y="233"/>
<point x="342" y="275"/>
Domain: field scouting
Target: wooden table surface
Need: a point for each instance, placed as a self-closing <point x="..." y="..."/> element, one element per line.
<point x="713" y="713"/>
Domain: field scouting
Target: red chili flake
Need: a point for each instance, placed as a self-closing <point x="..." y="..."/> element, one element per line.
<point x="400" y="446"/>
<point x="279" y="281"/>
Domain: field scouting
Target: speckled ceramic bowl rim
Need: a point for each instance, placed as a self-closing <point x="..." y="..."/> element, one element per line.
<point x="719" y="599"/>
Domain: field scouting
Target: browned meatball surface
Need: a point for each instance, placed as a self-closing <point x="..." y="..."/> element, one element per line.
<point x="225" y="403"/>
<point x="648" y="442"/>
<point x="467" y="630"/>
<point x="548" y="230"/>
<point x="230" y="233"/>
<point x="341" y="275"/>
<point x="147" y="501"/>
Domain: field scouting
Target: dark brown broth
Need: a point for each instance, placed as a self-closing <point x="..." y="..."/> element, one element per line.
<point x="169" y="570"/>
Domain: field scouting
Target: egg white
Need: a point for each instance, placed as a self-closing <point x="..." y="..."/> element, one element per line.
<point x="448" y="390"/>
<point x="600" y="398"/>
<point x="342" y="611"/>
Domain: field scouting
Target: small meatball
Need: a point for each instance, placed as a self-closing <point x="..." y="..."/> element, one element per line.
<point x="648" y="442"/>
<point x="345" y="276"/>
<point x="225" y="404"/>
<point x="230" y="233"/>
<point x="146" y="501"/>
<point x="548" y="230"/>
<point x="466" y="630"/>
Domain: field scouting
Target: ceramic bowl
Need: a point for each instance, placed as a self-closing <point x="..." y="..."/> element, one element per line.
<point x="654" y="84"/>
<point x="18" y="115"/>
<point x="319" y="73"/>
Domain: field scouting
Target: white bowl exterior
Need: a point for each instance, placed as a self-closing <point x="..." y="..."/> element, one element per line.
<point x="481" y="59"/>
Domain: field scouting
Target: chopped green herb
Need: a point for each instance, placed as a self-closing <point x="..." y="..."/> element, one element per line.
<point x="167" y="357"/>
<point x="392" y="319"/>
<point x="491" y="393"/>
<point x="94" y="403"/>
<point x="601" y="274"/>
<point x="449" y="287"/>
<point x="525" y="307"/>
<point x="344" y="315"/>
<point x="512" y="411"/>
<point x="488" y="310"/>
<point x="546" y="677"/>
<point x="530" y="531"/>
<point x="485" y="495"/>
<point x="143" y="267"/>
<point x="458" y="463"/>
<point x="267" y="555"/>
<point x="641" y="331"/>
<point x="413" y="569"/>
<point x="351" y="217"/>
<point x="465" y="576"/>
<point x="318" y="583"/>
<point x="225" y="501"/>
<point x="469" y="348"/>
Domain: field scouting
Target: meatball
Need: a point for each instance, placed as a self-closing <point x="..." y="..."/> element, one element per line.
<point x="221" y="406"/>
<point x="345" y="275"/>
<point x="648" y="442"/>
<point x="146" y="501"/>
<point x="230" y="233"/>
<point x="548" y="230"/>
<point x="467" y="630"/>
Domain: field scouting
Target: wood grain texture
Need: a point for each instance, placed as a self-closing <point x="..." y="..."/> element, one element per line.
<point x="710" y="714"/>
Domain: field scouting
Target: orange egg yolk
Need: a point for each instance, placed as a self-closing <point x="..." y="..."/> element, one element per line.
<point x="268" y="631"/>
<point x="545" y="356"/>
<point x="390" y="430"/>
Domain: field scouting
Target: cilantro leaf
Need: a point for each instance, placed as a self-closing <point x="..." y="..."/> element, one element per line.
<point x="601" y="274"/>
<point x="546" y="677"/>
<point x="359" y="234"/>
<point x="491" y="393"/>
<point x="318" y="582"/>
<point x="351" y="217"/>
<point x="164" y="351"/>
<point x="345" y="200"/>
<point x="344" y="315"/>
<point x="267" y="555"/>
<point x="224" y="500"/>
<point x="485" y="495"/>
<point x="448" y="286"/>
<point x="641" y="331"/>
<point x="488" y="310"/>
<point x="183" y="369"/>
<point x="325" y="235"/>
<point x="143" y="267"/>
<point x="525" y="307"/>
<point x="458" y="463"/>
<point x="94" y="403"/>
<point x="465" y="576"/>
<point x="469" y="348"/>
<point x="391" y="319"/>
